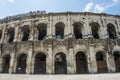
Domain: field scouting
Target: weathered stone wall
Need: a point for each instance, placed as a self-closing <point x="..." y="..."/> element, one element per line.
<point x="50" y="46"/>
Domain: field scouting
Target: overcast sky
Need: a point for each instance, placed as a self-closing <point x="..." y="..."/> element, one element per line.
<point x="13" y="7"/>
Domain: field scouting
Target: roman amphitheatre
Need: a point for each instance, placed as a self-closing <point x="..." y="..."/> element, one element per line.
<point x="58" y="46"/>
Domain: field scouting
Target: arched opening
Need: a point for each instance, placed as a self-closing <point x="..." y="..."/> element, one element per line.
<point x="0" y="34"/>
<point x="111" y="31"/>
<point x="101" y="63"/>
<point x="78" y="30"/>
<point x="26" y="32"/>
<point x="11" y="33"/>
<point x="117" y="60"/>
<point x="21" y="64"/>
<point x="40" y="64"/>
<point x="42" y="31"/>
<point x="6" y="64"/>
<point x="59" y="30"/>
<point x="60" y="64"/>
<point x="81" y="63"/>
<point x="95" y="30"/>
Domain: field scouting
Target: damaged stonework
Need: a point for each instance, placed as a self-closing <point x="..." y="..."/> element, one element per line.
<point x="60" y="43"/>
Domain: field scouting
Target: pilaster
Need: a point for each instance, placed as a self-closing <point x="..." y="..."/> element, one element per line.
<point x="110" y="62"/>
<point x="49" y="60"/>
<point x="70" y="62"/>
<point x="11" y="68"/>
<point x="0" y="65"/>
<point x="105" y="33"/>
<point x="87" y="27"/>
<point x="92" y="63"/>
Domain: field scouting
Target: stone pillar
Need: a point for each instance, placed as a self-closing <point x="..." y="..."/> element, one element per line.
<point x="15" y="66"/>
<point x="11" y="67"/>
<point x="0" y="64"/>
<point x="35" y="37"/>
<point x="74" y="64"/>
<point x="92" y="63"/>
<point x="52" y="25"/>
<point x="20" y="35"/>
<point x="49" y="28"/>
<point x="69" y="27"/>
<point x="84" y="30"/>
<point x="110" y="62"/>
<point x="88" y="29"/>
<point x="53" y="64"/>
<point x="3" y="33"/>
<point x="49" y="61"/>
<point x="28" y="62"/>
<point x="118" y="28"/>
<point x="16" y="33"/>
<point x="105" y="33"/>
<point x="101" y="33"/>
<point x="89" y="64"/>
<point x="28" y="66"/>
<point x="32" y="66"/>
<point x="31" y="34"/>
<point x="70" y="62"/>
<point x="5" y="37"/>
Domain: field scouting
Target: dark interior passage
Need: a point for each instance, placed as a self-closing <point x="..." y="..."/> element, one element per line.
<point x="78" y="30"/>
<point x="26" y="33"/>
<point x="111" y="31"/>
<point x="40" y="64"/>
<point x="11" y="33"/>
<point x="42" y="31"/>
<point x="95" y="30"/>
<point x="0" y="34"/>
<point x="59" y="30"/>
<point x="60" y="64"/>
<point x="101" y="63"/>
<point x="81" y="63"/>
<point x="6" y="64"/>
<point x="21" y="64"/>
<point x="117" y="60"/>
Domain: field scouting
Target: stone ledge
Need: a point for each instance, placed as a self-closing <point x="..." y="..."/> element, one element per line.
<point x="112" y="76"/>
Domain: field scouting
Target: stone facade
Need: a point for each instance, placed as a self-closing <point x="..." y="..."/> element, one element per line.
<point x="60" y="43"/>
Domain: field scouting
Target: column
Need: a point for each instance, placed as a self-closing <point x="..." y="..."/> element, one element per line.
<point x="87" y="28"/>
<point x="5" y="37"/>
<point x="28" y="64"/>
<point x="69" y="27"/>
<point x="16" y="33"/>
<point x="0" y="65"/>
<point x="118" y="28"/>
<point x="49" y="28"/>
<point x="31" y="30"/>
<point x="32" y="66"/>
<point x="11" y="68"/>
<point x="15" y="65"/>
<point x="110" y="62"/>
<point x="3" y="33"/>
<point x="89" y="64"/>
<point x="53" y="64"/>
<point x="101" y="34"/>
<point x="52" y="26"/>
<point x="20" y="35"/>
<point x="29" y="59"/>
<point x="74" y="64"/>
<point x="92" y="57"/>
<point x="105" y="34"/>
<point x="49" y="65"/>
<point x="70" y="62"/>
<point x="35" y="32"/>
